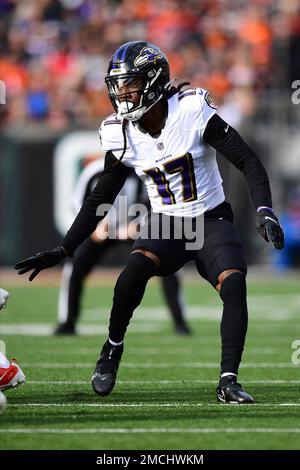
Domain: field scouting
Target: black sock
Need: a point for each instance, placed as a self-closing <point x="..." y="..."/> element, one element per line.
<point x="172" y="292"/>
<point x="129" y="291"/>
<point x="234" y="321"/>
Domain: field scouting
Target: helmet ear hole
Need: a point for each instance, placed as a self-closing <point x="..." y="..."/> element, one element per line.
<point x="151" y="73"/>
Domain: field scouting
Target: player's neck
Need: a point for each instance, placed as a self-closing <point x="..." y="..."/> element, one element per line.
<point x="154" y="120"/>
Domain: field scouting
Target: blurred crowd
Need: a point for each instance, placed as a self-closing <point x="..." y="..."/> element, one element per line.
<point x="54" y="53"/>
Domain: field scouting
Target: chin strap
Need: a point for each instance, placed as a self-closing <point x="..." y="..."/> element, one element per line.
<point x="124" y="124"/>
<point x="170" y="84"/>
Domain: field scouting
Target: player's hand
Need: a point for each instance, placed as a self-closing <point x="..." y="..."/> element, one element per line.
<point x="42" y="260"/>
<point x="269" y="227"/>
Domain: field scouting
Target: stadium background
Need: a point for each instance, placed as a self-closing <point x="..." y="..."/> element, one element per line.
<point x="53" y="59"/>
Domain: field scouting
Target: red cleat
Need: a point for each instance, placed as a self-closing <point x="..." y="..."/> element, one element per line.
<point x="11" y="376"/>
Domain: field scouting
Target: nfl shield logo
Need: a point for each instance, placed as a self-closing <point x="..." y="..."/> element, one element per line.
<point x="160" y="146"/>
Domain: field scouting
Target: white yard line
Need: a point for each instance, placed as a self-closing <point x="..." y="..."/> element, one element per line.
<point x="150" y="430"/>
<point x="155" y="382"/>
<point x="265" y="307"/>
<point x="147" y="405"/>
<point x="163" y="365"/>
<point x="92" y="329"/>
<point x="147" y="319"/>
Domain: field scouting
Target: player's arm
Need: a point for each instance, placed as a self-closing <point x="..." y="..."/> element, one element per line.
<point x="109" y="185"/>
<point x="230" y="144"/>
<point x="106" y="190"/>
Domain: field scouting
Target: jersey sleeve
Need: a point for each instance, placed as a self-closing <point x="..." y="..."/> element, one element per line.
<point x="108" y="187"/>
<point x="83" y="185"/>
<point x="230" y="144"/>
<point x="197" y="107"/>
<point x="111" y="136"/>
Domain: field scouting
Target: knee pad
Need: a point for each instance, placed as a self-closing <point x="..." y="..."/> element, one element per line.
<point x="233" y="288"/>
<point x="138" y="271"/>
<point x="138" y="262"/>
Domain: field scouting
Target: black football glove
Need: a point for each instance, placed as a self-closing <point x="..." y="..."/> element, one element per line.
<point x="42" y="260"/>
<point x="269" y="227"/>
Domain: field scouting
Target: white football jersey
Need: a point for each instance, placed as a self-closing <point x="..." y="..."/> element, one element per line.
<point x="179" y="169"/>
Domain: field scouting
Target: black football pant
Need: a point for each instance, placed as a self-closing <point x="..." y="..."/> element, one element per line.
<point x="222" y="250"/>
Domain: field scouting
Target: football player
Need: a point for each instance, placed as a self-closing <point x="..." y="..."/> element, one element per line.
<point x="170" y="136"/>
<point x="11" y="374"/>
<point x="94" y="248"/>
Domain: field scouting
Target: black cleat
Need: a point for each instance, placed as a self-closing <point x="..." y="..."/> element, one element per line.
<point x="105" y="373"/>
<point x="64" y="329"/>
<point x="182" y="329"/>
<point x="229" y="391"/>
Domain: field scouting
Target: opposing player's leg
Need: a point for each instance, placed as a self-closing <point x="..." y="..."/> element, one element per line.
<point x="4" y="296"/>
<point x="221" y="261"/>
<point x="3" y="402"/>
<point x="171" y="286"/>
<point x="11" y="375"/>
<point x="72" y="282"/>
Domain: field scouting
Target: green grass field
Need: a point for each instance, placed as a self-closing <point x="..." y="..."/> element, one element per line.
<point x="165" y="397"/>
